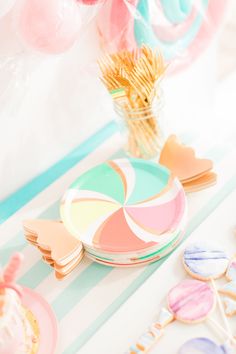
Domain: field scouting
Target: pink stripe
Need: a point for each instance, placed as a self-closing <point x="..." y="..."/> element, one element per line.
<point x="161" y="218"/>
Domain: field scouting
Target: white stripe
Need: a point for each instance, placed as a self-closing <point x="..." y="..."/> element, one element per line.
<point x="165" y="198"/>
<point x="128" y="171"/>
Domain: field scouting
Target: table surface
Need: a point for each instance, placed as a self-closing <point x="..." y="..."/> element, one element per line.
<point x="102" y="309"/>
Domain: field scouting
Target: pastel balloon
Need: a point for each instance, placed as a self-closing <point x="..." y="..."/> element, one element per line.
<point x="191" y="301"/>
<point x="205" y="261"/>
<point x="203" y="346"/>
<point x="5" y="6"/>
<point x="49" y="26"/>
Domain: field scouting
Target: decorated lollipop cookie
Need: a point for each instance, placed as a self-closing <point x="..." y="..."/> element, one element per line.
<point x="204" y="346"/>
<point x="190" y="301"/>
<point x="204" y="261"/>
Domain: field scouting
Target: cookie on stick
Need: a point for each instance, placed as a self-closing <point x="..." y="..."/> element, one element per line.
<point x="190" y="301"/>
<point x="207" y="262"/>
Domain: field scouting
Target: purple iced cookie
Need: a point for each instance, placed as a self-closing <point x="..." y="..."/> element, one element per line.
<point x="204" y="261"/>
<point x="203" y="346"/>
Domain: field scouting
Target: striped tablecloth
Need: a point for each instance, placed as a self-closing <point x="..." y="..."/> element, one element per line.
<point x="85" y="300"/>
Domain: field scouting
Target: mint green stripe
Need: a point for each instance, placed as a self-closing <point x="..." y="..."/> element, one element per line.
<point x="110" y="310"/>
<point x="80" y="287"/>
<point x="17" y="200"/>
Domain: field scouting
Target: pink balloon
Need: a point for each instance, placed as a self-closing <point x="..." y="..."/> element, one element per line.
<point x="49" y="26"/>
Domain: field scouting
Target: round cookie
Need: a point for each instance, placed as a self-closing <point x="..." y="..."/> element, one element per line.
<point x="191" y="301"/>
<point x="203" y="346"/>
<point x="204" y="261"/>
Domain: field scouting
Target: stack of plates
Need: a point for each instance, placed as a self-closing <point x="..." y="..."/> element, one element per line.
<point x="126" y="212"/>
<point x="58" y="247"/>
<point x="195" y="174"/>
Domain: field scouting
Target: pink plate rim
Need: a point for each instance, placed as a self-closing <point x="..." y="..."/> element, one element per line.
<point x="46" y="319"/>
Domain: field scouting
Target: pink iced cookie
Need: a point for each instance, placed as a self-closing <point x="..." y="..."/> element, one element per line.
<point x="191" y="301"/>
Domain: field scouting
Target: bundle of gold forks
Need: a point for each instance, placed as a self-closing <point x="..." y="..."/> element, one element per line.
<point x="133" y="80"/>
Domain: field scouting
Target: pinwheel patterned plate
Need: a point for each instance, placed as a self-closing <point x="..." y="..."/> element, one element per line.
<point x="124" y="210"/>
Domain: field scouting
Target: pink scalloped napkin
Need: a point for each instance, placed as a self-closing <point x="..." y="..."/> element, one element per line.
<point x="194" y="173"/>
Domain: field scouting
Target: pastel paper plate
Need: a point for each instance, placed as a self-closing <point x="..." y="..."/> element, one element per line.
<point x="124" y="205"/>
<point x="45" y="318"/>
<point x="165" y="238"/>
<point x="125" y="256"/>
<point x="141" y="259"/>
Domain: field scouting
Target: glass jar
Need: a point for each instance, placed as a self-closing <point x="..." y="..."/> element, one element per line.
<point x="142" y="128"/>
